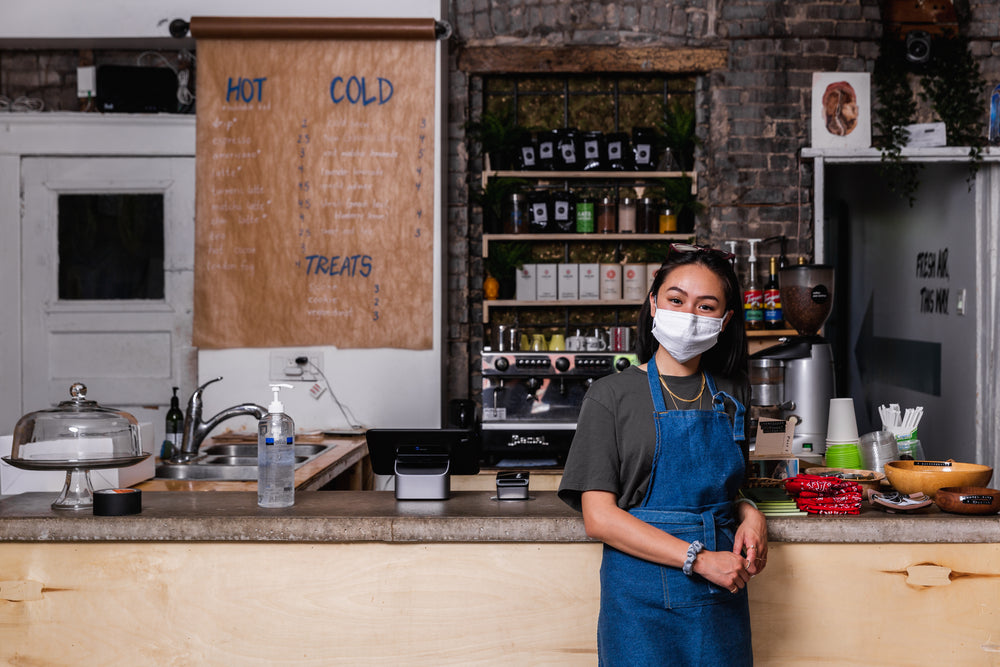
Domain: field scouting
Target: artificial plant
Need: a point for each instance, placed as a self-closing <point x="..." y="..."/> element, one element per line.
<point x="498" y="135"/>
<point x="503" y="261"/>
<point x="677" y="131"/>
<point x="684" y="203"/>
<point x="950" y="80"/>
<point x="492" y="198"/>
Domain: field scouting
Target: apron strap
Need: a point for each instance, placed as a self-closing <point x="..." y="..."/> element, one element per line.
<point x="653" y="375"/>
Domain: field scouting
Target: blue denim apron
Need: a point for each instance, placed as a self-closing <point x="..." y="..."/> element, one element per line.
<point x="656" y="615"/>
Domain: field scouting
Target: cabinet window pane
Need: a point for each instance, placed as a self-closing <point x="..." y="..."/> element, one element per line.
<point x="111" y="246"/>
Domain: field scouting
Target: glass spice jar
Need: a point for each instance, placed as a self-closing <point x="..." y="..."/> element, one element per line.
<point x="585" y="216"/>
<point x="668" y="221"/>
<point x="606" y="213"/>
<point x="626" y="215"/>
<point x="647" y="216"/>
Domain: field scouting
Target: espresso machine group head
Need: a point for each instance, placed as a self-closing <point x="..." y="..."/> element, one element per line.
<point x="796" y="377"/>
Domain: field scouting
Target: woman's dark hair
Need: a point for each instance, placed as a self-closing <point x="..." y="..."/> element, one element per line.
<point x="728" y="357"/>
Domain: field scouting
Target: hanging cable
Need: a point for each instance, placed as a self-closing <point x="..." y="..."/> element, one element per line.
<point x="349" y="417"/>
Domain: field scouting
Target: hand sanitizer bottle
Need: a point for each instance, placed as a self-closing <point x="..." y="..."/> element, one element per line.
<point x="276" y="455"/>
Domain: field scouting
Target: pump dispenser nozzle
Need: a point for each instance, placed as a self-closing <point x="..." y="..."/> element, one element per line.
<point x="753" y="250"/>
<point x="276" y="406"/>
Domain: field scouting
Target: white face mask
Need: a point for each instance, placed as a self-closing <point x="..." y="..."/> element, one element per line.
<point x="685" y="335"/>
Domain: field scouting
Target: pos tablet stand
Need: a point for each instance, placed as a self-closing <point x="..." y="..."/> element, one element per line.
<point x="423" y="460"/>
<point x="422" y="473"/>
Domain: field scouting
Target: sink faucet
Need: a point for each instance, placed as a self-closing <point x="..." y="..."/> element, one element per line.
<point x="195" y="429"/>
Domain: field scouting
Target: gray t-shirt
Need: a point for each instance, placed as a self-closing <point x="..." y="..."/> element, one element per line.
<point x="616" y="435"/>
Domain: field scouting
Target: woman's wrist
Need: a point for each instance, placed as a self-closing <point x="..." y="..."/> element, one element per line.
<point x="694" y="549"/>
<point x="743" y="507"/>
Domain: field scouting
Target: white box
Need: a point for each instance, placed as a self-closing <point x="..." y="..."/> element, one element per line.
<point x="569" y="282"/>
<point x="525" y="285"/>
<point x="15" y="480"/>
<point x="634" y="282"/>
<point x="611" y="282"/>
<point x="546" y="282"/>
<point x="926" y="135"/>
<point x="651" y="270"/>
<point x="590" y="281"/>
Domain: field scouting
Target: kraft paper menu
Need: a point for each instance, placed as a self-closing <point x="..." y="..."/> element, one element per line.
<point x="315" y="193"/>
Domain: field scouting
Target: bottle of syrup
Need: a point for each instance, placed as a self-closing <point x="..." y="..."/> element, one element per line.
<point x="773" y="318"/>
<point x="753" y="295"/>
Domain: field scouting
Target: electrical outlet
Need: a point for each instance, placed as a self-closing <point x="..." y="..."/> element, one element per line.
<point x="284" y="369"/>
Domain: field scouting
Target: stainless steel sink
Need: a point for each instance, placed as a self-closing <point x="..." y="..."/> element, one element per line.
<point x="230" y="462"/>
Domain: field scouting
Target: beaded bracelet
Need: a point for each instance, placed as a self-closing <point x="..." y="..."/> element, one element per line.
<point x="692" y="553"/>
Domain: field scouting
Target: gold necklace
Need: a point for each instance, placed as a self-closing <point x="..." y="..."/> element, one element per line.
<point x="674" y="397"/>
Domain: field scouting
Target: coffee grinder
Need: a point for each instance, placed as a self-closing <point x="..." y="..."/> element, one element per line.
<point x="795" y="378"/>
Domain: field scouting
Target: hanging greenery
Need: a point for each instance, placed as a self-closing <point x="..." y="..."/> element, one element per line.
<point x="950" y="80"/>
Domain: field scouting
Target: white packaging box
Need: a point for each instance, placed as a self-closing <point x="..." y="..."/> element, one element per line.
<point x="569" y="282"/>
<point x="546" y="282"/>
<point x="634" y="282"/>
<point x="611" y="282"/>
<point x="651" y="270"/>
<point x="15" y="480"/>
<point x="926" y="135"/>
<point x="589" y="276"/>
<point x="525" y="285"/>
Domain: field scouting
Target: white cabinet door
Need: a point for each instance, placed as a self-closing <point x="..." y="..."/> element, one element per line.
<point x="105" y="300"/>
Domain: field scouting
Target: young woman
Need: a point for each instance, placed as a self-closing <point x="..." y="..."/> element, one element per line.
<point x="658" y="458"/>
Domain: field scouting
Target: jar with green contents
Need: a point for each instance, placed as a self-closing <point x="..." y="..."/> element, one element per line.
<point x="585" y="216"/>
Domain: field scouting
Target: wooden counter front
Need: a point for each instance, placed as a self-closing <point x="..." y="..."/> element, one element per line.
<point x="357" y="578"/>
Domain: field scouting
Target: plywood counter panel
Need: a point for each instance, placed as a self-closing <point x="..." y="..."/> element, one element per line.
<point x="319" y="604"/>
<point x="357" y="578"/>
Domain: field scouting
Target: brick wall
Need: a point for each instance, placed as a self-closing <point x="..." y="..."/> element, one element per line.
<point x="753" y="114"/>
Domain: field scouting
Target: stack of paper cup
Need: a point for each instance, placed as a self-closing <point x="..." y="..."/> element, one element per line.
<point x="842" y="435"/>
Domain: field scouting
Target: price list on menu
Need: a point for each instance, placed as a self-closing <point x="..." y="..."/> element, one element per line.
<point x="315" y="193"/>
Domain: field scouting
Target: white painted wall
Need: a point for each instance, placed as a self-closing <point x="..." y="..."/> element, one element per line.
<point x="383" y="387"/>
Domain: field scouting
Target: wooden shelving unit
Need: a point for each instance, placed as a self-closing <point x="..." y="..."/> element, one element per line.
<point x="582" y="238"/>
<point x="638" y="177"/>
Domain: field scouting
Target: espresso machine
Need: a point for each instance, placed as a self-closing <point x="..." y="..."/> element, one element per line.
<point x="531" y="402"/>
<point x="796" y="377"/>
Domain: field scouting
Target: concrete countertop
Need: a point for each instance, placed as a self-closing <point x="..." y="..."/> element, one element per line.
<point x="469" y="516"/>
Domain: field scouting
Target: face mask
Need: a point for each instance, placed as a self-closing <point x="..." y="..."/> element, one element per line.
<point x="685" y="335"/>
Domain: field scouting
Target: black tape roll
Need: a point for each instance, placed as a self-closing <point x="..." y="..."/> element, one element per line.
<point x="117" y="502"/>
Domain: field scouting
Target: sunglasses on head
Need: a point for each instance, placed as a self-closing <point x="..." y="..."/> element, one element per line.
<point x="690" y="247"/>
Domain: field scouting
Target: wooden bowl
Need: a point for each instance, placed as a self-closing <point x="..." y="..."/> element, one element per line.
<point x="968" y="500"/>
<point x="929" y="476"/>
<point x="868" y="479"/>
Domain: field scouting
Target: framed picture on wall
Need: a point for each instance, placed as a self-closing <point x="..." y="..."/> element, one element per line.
<point x="841" y="110"/>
